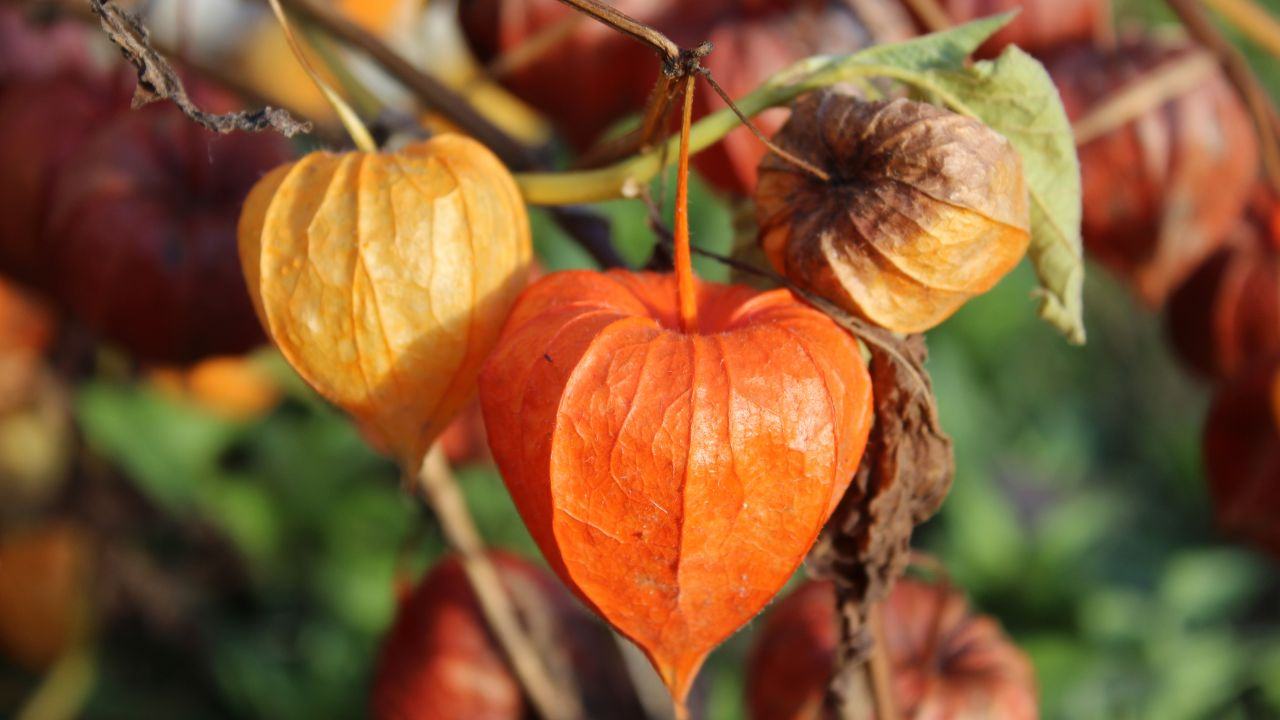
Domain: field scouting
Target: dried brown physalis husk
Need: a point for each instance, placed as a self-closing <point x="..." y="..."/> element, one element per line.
<point x="923" y="210"/>
<point x="904" y="476"/>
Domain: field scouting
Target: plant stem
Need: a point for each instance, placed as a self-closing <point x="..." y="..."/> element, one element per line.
<point x="1241" y="75"/>
<point x="1253" y="21"/>
<point x="799" y="162"/>
<point x="63" y="692"/>
<point x="1129" y="103"/>
<point x="534" y="47"/>
<point x="350" y="120"/>
<point x="587" y="229"/>
<point x="625" y="178"/>
<point x="428" y="90"/>
<point x="219" y="74"/>
<point x="881" y="670"/>
<point x="440" y="490"/>
<point x="685" y="285"/>
<point x="932" y="14"/>
<point x="627" y="25"/>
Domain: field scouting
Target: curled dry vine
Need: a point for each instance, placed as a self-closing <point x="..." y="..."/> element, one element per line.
<point x="157" y="80"/>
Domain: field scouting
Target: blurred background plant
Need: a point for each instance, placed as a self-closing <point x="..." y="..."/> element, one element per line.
<point x="212" y="540"/>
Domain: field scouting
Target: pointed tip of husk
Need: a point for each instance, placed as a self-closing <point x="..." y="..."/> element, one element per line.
<point x="678" y="673"/>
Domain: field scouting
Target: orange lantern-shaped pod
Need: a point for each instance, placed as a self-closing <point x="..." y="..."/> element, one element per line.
<point x="674" y="478"/>
<point x="673" y="446"/>
<point x="384" y="278"/>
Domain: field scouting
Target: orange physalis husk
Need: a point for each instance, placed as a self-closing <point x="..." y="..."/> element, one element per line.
<point x="384" y="278"/>
<point x="675" y="480"/>
<point x="673" y="446"/>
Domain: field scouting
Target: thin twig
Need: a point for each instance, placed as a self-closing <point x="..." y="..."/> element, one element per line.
<point x="591" y="234"/>
<point x="677" y="64"/>
<point x="880" y="669"/>
<point x="1241" y="75"/>
<point x="1155" y="89"/>
<point x="157" y="80"/>
<point x="1252" y="20"/>
<point x="931" y="14"/>
<point x="428" y="90"/>
<point x="440" y="490"/>
<point x="355" y="127"/>
<point x="799" y="162"/>
<point x="884" y="22"/>
<point x="219" y="74"/>
<point x="657" y="109"/>
<point x="1104" y="27"/>
<point x="64" y="691"/>
<point x="535" y="47"/>
<point x="627" y="25"/>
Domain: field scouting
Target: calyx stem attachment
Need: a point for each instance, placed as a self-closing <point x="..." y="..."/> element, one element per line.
<point x="683" y="260"/>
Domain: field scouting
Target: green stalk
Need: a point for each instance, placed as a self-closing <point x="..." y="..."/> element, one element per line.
<point x="626" y="177"/>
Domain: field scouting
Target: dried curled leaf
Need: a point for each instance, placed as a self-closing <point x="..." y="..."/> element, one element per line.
<point x="924" y="208"/>
<point x="904" y="477"/>
<point x="385" y="278"/>
<point x="674" y="481"/>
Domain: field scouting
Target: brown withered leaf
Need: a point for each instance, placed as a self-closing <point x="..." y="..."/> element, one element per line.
<point x="904" y="476"/>
<point x="157" y="80"/>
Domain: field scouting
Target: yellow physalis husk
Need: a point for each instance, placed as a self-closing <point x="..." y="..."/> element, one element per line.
<point x="384" y="278"/>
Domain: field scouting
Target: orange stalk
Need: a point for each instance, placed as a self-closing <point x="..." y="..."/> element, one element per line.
<point x="686" y="290"/>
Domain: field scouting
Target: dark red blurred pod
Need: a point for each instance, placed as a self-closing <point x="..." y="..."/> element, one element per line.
<point x="950" y="663"/>
<point x="1161" y="192"/>
<point x="1227" y="314"/>
<point x="790" y="663"/>
<point x="42" y="125"/>
<point x="439" y="661"/>
<point x="748" y="50"/>
<point x="142" y="233"/>
<point x="590" y="79"/>
<point x="597" y="76"/>
<point x="947" y="663"/>
<point x="1242" y="456"/>
<point x="31" y="51"/>
<point x="1040" y="25"/>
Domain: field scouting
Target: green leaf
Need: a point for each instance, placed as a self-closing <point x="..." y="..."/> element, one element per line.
<point x="1015" y="96"/>
<point x="165" y="447"/>
<point x="948" y="49"/>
